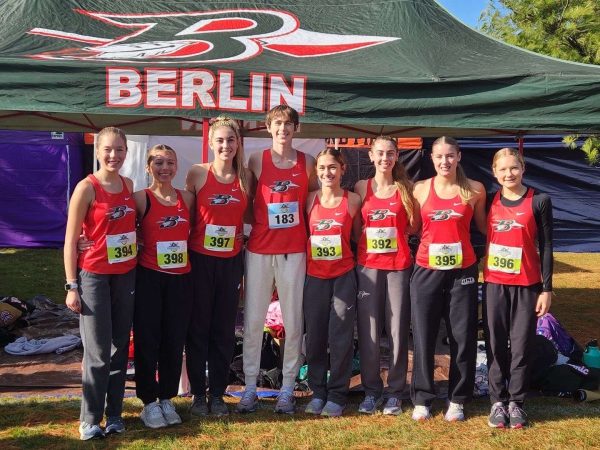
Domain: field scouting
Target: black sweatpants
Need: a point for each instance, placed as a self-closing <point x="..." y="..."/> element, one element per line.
<point x="162" y="310"/>
<point x="451" y="294"/>
<point x="509" y="317"/>
<point x="329" y="312"/>
<point x="211" y="334"/>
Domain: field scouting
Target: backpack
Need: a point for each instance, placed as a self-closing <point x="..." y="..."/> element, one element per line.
<point x="549" y="327"/>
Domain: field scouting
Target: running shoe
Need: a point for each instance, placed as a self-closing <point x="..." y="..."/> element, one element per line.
<point x="392" y="407"/>
<point x="332" y="409"/>
<point x="455" y="412"/>
<point x="218" y="407"/>
<point x="286" y="403"/>
<point x="518" y="418"/>
<point x="88" y="431"/>
<point x="114" y="424"/>
<point x="315" y="406"/>
<point x="421" y="413"/>
<point x="152" y="416"/>
<point x="498" y="416"/>
<point x="169" y="412"/>
<point x="370" y="404"/>
<point x="248" y="402"/>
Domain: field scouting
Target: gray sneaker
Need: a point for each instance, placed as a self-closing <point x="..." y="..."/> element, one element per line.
<point x="498" y="417"/>
<point x="370" y="404"/>
<point x="199" y="406"/>
<point x="455" y="412"/>
<point x="332" y="409"/>
<point x="218" y="407"/>
<point x="152" y="416"/>
<point x="169" y="412"/>
<point x="248" y="403"/>
<point x="114" y="424"/>
<point x="392" y="407"/>
<point x="315" y="406"/>
<point x="88" y="431"/>
<point x="286" y="403"/>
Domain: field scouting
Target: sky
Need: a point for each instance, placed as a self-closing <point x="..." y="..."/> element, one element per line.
<point x="468" y="11"/>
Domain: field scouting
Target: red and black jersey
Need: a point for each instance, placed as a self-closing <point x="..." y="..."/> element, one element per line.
<point x="445" y="240"/>
<point x="110" y="224"/>
<point x="279" y="224"/>
<point x="383" y="243"/>
<point x="165" y="230"/>
<point x="219" y="226"/>
<point x="328" y="247"/>
<point x="512" y="256"/>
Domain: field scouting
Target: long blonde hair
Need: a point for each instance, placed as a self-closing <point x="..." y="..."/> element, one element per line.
<point x="400" y="178"/>
<point x="238" y="159"/>
<point x="111" y="130"/>
<point x="466" y="193"/>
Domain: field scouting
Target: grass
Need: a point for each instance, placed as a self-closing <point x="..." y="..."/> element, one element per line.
<point x="556" y="423"/>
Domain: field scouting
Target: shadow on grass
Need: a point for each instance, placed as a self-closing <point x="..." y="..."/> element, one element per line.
<point x="562" y="267"/>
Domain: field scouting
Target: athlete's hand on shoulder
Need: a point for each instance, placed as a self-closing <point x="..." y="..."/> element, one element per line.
<point x="73" y="301"/>
<point x="83" y="243"/>
<point x="543" y="303"/>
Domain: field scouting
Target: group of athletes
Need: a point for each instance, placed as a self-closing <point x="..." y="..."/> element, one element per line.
<point x="181" y="287"/>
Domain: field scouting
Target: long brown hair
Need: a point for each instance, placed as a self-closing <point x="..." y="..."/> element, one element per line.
<point x="400" y="178"/>
<point x="466" y="193"/>
<point x="238" y="159"/>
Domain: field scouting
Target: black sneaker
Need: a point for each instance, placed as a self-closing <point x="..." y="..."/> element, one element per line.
<point x="518" y="418"/>
<point x="498" y="416"/>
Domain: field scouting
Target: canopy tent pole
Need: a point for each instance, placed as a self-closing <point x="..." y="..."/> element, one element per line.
<point x="205" y="126"/>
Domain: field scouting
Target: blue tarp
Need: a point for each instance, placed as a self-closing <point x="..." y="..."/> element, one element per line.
<point x="39" y="171"/>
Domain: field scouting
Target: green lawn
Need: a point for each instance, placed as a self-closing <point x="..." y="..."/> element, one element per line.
<point x="556" y="423"/>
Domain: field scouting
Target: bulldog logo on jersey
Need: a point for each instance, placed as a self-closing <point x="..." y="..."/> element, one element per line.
<point x="380" y="214"/>
<point x="326" y="224"/>
<point x="170" y="221"/>
<point x="282" y="186"/>
<point x="503" y="225"/>
<point x="118" y="212"/>
<point x="443" y="214"/>
<point x="223" y="199"/>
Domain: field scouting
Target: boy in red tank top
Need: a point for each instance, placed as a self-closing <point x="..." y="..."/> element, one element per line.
<point x="276" y="252"/>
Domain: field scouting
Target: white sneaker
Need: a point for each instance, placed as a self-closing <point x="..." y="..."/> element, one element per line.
<point x="152" y="416"/>
<point x="455" y="412"/>
<point x="169" y="413"/>
<point x="421" y="413"/>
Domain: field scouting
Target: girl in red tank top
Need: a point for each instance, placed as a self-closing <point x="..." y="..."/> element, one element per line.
<point x="101" y="282"/>
<point x="216" y="243"/>
<point x="444" y="281"/>
<point x="330" y="287"/>
<point x="389" y="213"/>
<point x="163" y="298"/>
<point x="514" y="291"/>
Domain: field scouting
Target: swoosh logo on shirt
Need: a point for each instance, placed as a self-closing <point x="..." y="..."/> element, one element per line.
<point x="520" y="213"/>
<point x="338" y="213"/>
<point x="457" y="204"/>
<point x="295" y="174"/>
<point x="234" y="189"/>
<point x="127" y="198"/>
<point x="393" y="203"/>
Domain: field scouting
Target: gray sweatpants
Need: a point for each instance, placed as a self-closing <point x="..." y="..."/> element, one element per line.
<point x="105" y="323"/>
<point x="329" y="318"/>
<point x="383" y="301"/>
<point x="287" y="271"/>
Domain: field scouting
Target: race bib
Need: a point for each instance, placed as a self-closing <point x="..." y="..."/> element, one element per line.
<point x="171" y="254"/>
<point x="326" y="247"/>
<point x="121" y="247"/>
<point x="445" y="256"/>
<point x="283" y="215"/>
<point x="382" y="239"/>
<point x="504" y="259"/>
<point x="219" y="238"/>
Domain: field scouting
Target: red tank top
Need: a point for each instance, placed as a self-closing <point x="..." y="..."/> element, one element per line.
<point x="383" y="243"/>
<point x="328" y="248"/>
<point x="165" y="231"/>
<point x="110" y="223"/>
<point x="445" y="240"/>
<point x="279" y="224"/>
<point x="219" y="227"/>
<point x="512" y="256"/>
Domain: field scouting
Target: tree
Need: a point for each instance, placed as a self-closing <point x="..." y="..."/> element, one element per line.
<point x="565" y="29"/>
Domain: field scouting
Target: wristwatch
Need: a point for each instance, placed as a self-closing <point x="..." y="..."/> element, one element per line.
<point x="71" y="285"/>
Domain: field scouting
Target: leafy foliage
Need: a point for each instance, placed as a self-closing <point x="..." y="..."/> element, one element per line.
<point x="565" y="29"/>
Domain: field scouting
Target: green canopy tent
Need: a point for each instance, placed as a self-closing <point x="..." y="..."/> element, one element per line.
<point x="398" y="67"/>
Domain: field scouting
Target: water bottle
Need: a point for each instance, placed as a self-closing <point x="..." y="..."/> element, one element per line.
<point x="591" y="355"/>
